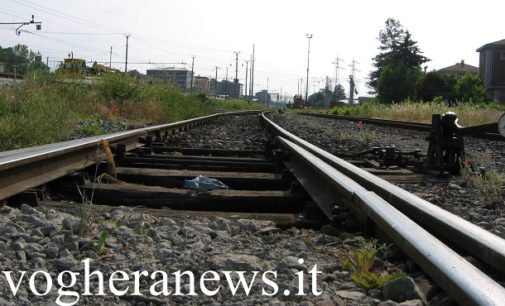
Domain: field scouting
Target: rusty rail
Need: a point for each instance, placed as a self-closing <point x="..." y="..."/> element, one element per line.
<point x="27" y="168"/>
<point x="487" y="131"/>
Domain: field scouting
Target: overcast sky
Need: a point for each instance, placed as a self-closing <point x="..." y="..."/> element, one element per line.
<point x="169" y="32"/>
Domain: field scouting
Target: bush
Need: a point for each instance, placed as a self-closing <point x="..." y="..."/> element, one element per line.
<point x="119" y="87"/>
<point x="468" y="113"/>
<point x="42" y="110"/>
<point x="470" y="89"/>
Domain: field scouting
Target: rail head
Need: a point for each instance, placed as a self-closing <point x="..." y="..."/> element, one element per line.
<point x="475" y="240"/>
<point x="463" y="281"/>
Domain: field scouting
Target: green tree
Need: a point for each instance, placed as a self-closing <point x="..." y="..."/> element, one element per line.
<point x="435" y="84"/>
<point x="316" y="99"/>
<point x="338" y="93"/>
<point x="470" y="89"/>
<point x="396" y="48"/>
<point x="20" y="59"/>
<point x="397" y="83"/>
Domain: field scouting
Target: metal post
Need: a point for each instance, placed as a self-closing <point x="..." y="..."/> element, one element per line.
<point x="246" y="72"/>
<point x="351" y="88"/>
<point x="253" y="63"/>
<point x="126" y="58"/>
<point x="236" y="66"/>
<point x="268" y="95"/>
<point x="226" y="82"/>
<point x="110" y="58"/>
<point x="192" y="69"/>
<point x="215" y="83"/>
<point x="309" y="36"/>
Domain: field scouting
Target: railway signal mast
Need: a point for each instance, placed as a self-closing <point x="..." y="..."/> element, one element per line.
<point x="309" y="36"/>
<point x="38" y="25"/>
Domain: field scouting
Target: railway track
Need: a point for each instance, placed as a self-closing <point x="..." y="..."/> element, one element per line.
<point x="485" y="131"/>
<point x="280" y="178"/>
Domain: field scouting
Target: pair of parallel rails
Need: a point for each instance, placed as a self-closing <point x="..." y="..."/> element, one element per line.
<point x="425" y="232"/>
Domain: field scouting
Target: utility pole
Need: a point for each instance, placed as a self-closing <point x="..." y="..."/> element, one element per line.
<point x="47" y="62"/>
<point x="226" y="82"/>
<point x="110" y="57"/>
<point x="309" y="36"/>
<point x="215" y="83"/>
<point x="236" y="66"/>
<point x="352" y="87"/>
<point x="268" y="94"/>
<point x="192" y="69"/>
<point x="126" y="58"/>
<point x="337" y="67"/>
<point x="246" y="73"/>
<point x="250" y="79"/>
<point x="253" y="64"/>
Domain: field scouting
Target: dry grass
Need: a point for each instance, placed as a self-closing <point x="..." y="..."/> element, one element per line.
<point x="468" y="114"/>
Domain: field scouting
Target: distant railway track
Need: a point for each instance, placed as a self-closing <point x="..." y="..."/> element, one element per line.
<point x="271" y="178"/>
<point x="486" y="131"/>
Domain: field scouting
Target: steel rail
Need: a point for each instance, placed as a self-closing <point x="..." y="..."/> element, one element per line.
<point x="460" y="279"/>
<point x="487" y="131"/>
<point x="475" y="240"/>
<point x="27" y="168"/>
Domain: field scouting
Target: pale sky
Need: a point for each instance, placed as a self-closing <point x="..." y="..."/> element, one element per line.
<point x="168" y="32"/>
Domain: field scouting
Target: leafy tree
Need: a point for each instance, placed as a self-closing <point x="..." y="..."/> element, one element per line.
<point x="435" y="84"/>
<point x="21" y="58"/>
<point x="469" y="88"/>
<point x="338" y="93"/>
<point x="397" y="83"/>
<point x="396" y="48"/>
<point x="316" y="99"/>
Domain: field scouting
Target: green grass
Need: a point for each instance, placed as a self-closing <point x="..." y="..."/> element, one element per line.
<point x="360" y="264"/>
<point x="481" y="175"/>
<point x="44" y="110"/>
<point x="468" y="114"/>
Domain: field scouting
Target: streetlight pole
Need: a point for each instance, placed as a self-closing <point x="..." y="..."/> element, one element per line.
<point x="309" y="36"/>
<point x="215" y="83"/>
<point x="236" y="66"/>
<point x="226" y="82"/>
<point x="126" y="57"/>
<point x="192" y="69"/>
<point x="245" y="83"/>
<point x="110" y="58"/>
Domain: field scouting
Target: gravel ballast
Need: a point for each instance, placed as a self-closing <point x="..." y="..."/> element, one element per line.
<point x="344" y="138"/>
<point x="122" y="239"/>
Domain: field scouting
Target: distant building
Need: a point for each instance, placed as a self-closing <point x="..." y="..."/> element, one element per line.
<point x="136" y="74"/>
<point x="225" y="88"/>
<point x="201" y="84"/>
<point x="180" y="77"/>
<point x="492" y="69"/>
<point x="263" y="97"/>
<point x="2" y="67"/>
<point x="363" y="99"/>
<point x="459" y="69"/>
